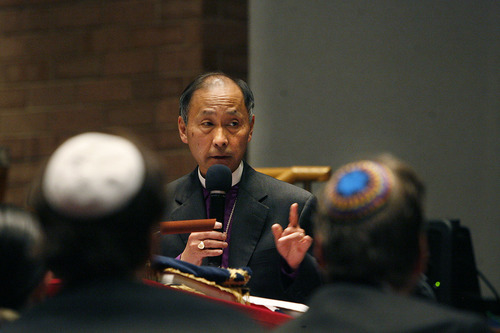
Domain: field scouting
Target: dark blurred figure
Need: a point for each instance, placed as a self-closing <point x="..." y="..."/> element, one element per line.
<point x="370" y="240"/>
<point x="99" y="198"/>
<point x="22" y="270"/>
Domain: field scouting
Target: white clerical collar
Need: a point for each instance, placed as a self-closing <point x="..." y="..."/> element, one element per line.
<point x="236" y="175"/>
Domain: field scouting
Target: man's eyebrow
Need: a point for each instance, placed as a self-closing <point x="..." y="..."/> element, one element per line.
<point x="236" y="112"/>
<point x="208" y="111"/>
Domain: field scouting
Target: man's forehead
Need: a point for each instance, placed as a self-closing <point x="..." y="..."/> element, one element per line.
<point x="218" y="94"/>
<point x="216" y="81"/>
<point x="220" y="90"/>
<point x="219" y="83"/>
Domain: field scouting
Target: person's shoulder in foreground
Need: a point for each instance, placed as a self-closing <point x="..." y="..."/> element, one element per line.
<point x="371" y="243"/>
<point x="127" y="306"/>
<point x="345" y="307"/>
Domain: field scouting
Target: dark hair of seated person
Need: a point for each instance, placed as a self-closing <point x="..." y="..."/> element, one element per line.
<point x="21" y="263"/>
<point x="379" y="248"/>
<point x="117" y="244"/>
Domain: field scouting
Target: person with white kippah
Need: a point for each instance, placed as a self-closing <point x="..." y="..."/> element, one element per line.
<point x="99" y="198"/>
<point x="371" y="244"/>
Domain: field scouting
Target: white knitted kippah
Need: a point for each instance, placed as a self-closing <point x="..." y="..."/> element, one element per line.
<point x="92" y="175"/>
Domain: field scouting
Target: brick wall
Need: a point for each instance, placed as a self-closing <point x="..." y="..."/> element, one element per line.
<point x="73" y="66"/>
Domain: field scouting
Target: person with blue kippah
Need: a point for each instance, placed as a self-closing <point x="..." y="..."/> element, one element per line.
<point x="370" y="241"/>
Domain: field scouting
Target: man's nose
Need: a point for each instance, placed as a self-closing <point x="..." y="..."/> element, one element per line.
<point x="220" y="137"/>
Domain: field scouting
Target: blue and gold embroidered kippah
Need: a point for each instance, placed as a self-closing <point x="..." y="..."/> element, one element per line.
<point x="357" y="190"/>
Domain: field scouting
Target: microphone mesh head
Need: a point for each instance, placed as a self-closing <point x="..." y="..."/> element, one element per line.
<point x="218" y="178"/>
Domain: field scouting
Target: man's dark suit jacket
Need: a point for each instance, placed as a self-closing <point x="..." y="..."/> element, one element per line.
<point x="128" y="306"/>
<point x="261" y="202"/>
<point x="352" y="308"/>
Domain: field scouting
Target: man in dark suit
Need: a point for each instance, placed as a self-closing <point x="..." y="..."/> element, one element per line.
<point x="99" y="198"/>
<point x="266" y="221"/>
<point x="370" y="240"/>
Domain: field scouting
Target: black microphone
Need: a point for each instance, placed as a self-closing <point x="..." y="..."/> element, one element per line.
<point x="218" y="183"/>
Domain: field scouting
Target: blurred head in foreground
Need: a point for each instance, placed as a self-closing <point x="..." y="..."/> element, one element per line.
<point x="21" y="263"/>
<point x="370" y="225"/>
<point x="98" y="198"/>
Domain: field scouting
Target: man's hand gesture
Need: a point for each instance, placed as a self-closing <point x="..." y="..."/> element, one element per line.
<point x="292" y="243"/>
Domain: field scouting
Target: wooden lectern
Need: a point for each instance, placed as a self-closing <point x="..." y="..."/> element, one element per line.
<point x="299" y="174"/>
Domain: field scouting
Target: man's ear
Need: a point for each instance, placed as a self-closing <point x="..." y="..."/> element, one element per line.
<point x="423" y="256"/>
<point x="182" y="129"/>
<point x="252" y="122"/>
<point x="420" y="265"/>
<point x="318" y="252"/>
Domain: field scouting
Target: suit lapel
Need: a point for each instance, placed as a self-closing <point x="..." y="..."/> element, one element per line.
<point x="249" y="216"/>
<point x="248" y="220"/>
<point x="189" y="201"/>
